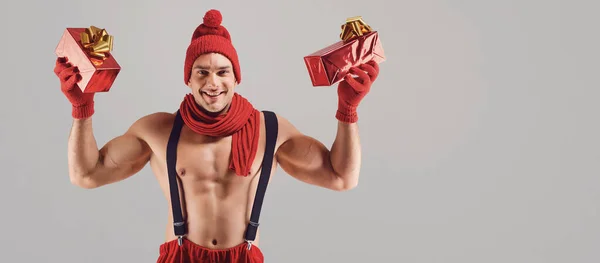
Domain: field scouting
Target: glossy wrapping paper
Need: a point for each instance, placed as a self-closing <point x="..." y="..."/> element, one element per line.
<point x="89" y="50"/>
<point x="359" y="45"/>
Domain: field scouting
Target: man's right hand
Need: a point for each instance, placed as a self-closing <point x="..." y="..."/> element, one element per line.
<point x="82" y="103"/>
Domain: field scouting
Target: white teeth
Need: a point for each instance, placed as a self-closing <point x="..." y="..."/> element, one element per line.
<point x="213" y="93"/>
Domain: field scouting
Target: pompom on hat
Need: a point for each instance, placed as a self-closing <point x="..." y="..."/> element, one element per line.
<point x="211" y="37"/>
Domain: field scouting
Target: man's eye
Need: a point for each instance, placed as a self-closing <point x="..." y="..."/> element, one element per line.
<point x="223" y="72"/>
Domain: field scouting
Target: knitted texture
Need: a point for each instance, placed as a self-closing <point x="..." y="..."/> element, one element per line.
<point x="242" y="122"/>
<point x="352" y="90"/>
<point x="211" y="37"/>
<point x="68" y="75"/>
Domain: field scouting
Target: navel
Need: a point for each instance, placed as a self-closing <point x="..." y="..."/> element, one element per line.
<point x="214" y="242"/>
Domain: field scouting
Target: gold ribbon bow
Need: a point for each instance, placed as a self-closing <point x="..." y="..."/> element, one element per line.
<point x="97" y="42"/>
<point x="354" y="27"/>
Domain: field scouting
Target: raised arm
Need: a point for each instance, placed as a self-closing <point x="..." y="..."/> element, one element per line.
<point x="90" y="167"/>
<point x="308" y="160"/>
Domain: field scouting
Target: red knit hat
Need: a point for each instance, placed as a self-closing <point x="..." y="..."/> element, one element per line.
<point x="211" y="37"/>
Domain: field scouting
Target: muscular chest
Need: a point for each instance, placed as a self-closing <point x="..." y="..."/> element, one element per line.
<point x="203" y="157"/>
<point x="200" y="158"/>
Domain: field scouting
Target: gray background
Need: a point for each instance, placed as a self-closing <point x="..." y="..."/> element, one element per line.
<point x="480" y="137"/>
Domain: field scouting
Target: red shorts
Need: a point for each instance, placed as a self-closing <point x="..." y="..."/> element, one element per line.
<point x="189" y="252"/>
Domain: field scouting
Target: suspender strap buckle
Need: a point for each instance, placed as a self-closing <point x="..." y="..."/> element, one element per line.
<point x="251" y="230"/>
<point x="251" y="233"/>
<point x="179" y="228"/>
<point x="179" y="231"/>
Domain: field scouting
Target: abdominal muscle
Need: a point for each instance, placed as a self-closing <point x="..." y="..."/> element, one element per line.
<point x="216" y="204"/>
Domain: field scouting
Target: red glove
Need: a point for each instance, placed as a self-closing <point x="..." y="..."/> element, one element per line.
<point x="82" y="103"/>
<point x="352" y="90"/>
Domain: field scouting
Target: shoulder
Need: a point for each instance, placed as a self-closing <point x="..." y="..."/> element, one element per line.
<point x="285" y="129"/>
<point x="152" y="123"/>
<point x="284" y="126"/>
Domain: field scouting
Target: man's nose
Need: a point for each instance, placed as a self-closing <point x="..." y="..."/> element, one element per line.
<point x="212" y="80"/>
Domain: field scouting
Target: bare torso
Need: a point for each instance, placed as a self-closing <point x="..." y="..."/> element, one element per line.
<point x="216" y="202"/>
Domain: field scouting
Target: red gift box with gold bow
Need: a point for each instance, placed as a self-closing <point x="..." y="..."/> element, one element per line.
<point x="89" y="49"/>
<point x="359" y="44"/>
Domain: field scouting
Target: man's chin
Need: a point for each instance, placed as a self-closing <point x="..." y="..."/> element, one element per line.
<point x="212" y="110"/>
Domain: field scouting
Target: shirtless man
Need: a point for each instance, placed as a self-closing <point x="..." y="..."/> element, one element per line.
<point x="208" y="156"/>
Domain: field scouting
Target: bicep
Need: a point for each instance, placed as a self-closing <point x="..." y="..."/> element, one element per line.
<point x="127" y="153"/>
<point x="120" y="158"/>
<point x="306" y="159"/>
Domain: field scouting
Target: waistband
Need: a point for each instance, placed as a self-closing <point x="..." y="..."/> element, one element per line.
<point x="197" y="251"/>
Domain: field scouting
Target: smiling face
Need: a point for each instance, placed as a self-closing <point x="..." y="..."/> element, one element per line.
<point x="212" y="82"/>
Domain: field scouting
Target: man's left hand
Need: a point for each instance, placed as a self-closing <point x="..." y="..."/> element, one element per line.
<point x="352" y="90"/>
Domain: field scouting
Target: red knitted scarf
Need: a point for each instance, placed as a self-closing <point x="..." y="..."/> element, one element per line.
<point x="241" y="121"/>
